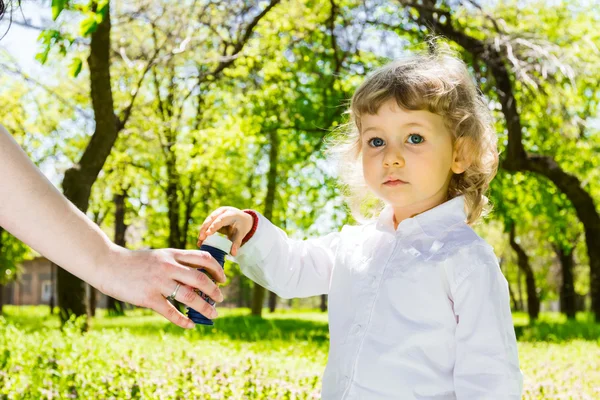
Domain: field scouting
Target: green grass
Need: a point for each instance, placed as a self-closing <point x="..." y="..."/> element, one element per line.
<point x="279" y="357"/>
<point x="555" y="328"/>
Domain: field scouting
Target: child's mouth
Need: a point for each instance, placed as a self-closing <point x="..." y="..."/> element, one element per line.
<point x="394" y="182"/>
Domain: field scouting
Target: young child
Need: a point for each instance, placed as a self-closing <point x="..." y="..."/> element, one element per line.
<point x="418" y="306"/>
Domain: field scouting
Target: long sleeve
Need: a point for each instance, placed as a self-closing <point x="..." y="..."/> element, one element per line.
<point x="487" y="363"/>
<point x="290" y="268"/>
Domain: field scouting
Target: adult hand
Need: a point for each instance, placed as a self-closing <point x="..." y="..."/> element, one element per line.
<point x="34" y="211"/>
<point x="146" y="277"/>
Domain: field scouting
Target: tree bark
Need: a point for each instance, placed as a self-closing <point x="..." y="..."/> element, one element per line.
<point x="113" y="306"/>
<point x="517" y="158"/>
<point x="567" y="287"/>
<point x="520" y="288"/>
<point x="515" y="305"/>
<point x="533" y="302"/>
<point x="187" y="213"/>
<point x="258" y="296"/>
<point x="272" y="301"/>
<point x="52" y="302"/>
<point x="78" y="180"/>
<point x="323" y="302"/>
<point x="173" y="196"/>
<point x="166" y="107"/>
<point x="93" y="300"/>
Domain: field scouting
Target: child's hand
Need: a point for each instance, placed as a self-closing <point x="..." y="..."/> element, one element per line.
<point x="230" y="221"/>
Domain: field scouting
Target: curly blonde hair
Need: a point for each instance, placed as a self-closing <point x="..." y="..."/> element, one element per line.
<point x="440" y="83"/>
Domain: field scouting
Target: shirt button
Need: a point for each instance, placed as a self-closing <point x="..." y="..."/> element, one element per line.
<point x="356" y="329"/>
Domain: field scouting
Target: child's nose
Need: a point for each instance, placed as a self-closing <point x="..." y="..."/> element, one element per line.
<point x="393" y="159"/>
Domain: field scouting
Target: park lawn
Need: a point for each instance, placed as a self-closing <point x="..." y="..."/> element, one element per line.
<point x="279" y="357"/>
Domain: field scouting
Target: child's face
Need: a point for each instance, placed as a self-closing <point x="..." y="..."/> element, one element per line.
<point x="408" y="157"/>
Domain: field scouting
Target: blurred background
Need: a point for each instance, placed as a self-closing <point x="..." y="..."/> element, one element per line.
<point x="150" y="114"/>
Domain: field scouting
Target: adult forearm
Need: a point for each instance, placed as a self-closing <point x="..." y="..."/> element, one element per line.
<point x="34" y="211"/>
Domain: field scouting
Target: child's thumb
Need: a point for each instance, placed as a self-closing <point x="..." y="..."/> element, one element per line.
<point x="236" y="239"/>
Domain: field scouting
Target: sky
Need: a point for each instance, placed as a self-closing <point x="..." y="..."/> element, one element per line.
<point x="21" y="42"/>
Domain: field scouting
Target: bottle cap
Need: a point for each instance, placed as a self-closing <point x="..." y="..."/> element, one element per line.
<point x="220" y="242"/>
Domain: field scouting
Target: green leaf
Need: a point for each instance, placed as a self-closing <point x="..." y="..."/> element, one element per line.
<point x="89" y="25"/>
<point x="75" y="67"/>
<point x="102" y="10"/>
<point x="57" y="7"/>
<point x="42" y="56"/>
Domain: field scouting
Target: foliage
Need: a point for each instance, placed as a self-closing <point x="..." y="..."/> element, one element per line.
<point x="279" y="357"/>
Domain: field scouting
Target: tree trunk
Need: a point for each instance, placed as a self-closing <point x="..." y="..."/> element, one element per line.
<point x="173" y="201"/>
<point x="323" y="302"/>
<point x="93" y="300"/>
<point x="113" y="306"/>
<point x="174" y="208"/>
<point x="52" y="302"/>
<point x="520" y="288"/>
<point x="533" y="302"/>
<point x="567" y="287"/>
<point x="259" y="292"/>
<point x="78" y="180"/>
<point x="168" y="138"/>
<point x="272" y="301"/>
<point x="586" y="212"/>
<point x="190" y="206"/>
<point x="258" y="298"/>
<point x="515" y="305"/>
<point x="517" y="158"/>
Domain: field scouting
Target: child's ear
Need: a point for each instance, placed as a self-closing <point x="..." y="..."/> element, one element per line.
<point x="460" y="155"/>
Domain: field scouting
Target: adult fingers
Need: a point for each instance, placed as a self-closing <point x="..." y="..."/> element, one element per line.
<point x="167" y="310"/>
<point x="200" y="281"/>
<point x="188" y="296"/>
<point x="198" y="259"/>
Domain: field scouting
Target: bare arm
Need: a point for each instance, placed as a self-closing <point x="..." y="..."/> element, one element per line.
<point x="34" y="211"/>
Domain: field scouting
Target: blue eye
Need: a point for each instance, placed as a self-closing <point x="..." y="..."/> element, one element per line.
<point x="376" y="142"/>
<point x="415" y="139"/>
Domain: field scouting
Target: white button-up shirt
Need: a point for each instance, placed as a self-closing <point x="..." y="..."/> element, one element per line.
<point x="420" y="312"/>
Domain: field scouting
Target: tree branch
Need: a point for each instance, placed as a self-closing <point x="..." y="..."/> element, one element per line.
<point x="248" y="32"/>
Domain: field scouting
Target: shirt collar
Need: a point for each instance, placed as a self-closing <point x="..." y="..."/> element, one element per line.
<point x="432" y="222"/>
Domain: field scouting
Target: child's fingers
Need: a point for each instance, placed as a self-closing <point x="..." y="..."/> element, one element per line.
<point x="208" y="221"/>
<point x="225" y="219"/>
<point x="210" y="218"/>
<point x="235" y="248"/>
<point x="236" y="238"/>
